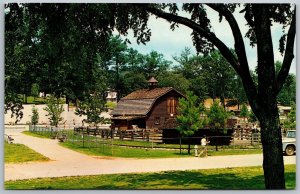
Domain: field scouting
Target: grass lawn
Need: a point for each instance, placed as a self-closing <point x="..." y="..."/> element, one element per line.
<point x="125" y="152"/>
<point x="46" y="135"/>
<point x="18" y="153"/>
<point x="97" y="146"/>
<point x="225" y="179"/>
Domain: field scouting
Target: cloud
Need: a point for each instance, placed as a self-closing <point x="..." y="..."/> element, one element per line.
<point x="163" y="39"/>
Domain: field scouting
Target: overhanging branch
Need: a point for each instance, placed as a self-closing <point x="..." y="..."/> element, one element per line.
<point x="238" y="38"/>
<point x="240" y="65"/>
<point x="239" y="47"/>
<point x="208" y="35"/>
<point x="288" y="55"/>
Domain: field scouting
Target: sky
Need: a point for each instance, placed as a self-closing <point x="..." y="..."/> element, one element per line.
<point x="171" y="43"/>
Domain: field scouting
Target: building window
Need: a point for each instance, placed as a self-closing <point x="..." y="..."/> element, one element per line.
<point x="157" y="121"/>
<point x="171" y="106"/>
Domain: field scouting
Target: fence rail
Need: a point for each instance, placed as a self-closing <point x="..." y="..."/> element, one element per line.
<point x="99" y="137"/>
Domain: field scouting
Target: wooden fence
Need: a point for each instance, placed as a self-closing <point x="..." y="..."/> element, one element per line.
<point x="140" y="134"/>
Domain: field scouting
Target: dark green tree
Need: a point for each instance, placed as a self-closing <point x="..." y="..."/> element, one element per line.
<point x="209" y="75"/>
<point x="154" y="64"/>
<point x="92" y="107"/>
<point x="175" y="80"/>
<point x="53" y="45"/>
<point x="217" y="118"/>
<point x="95" y="103"/>
<point x="244" y="112"/>
<point x="290" y="122"/>
<point x="115" y="57"/>
<point x="34" y="116"/>
<point x="35" y="89"/>
<point x="189" y="117"/>
<point x="219" y="76"/>
<point x="287" y="95"/>
<point x="132" y="81"/>
<point x="252" y="117"/>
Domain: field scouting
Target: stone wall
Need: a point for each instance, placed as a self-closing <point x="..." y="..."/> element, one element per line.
<point x="69" y="117"/>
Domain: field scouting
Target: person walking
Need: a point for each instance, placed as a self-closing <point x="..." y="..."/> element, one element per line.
<point x="204" y="142"/>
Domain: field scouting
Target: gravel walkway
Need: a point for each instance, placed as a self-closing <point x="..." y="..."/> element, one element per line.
<point x="65" y="162"/>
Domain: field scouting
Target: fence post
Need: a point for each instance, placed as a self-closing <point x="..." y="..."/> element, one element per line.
<point x="112" y="131"/>
<point x="180" y="144"/>
<point x="148" y="136"/>
<point x="217" y="143"/>
<point x="112" y="145"/>
<point x="82" y="139"/>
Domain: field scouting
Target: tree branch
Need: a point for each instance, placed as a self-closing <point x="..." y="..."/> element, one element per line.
<point x="288" y="55"/>
<point x="189" y="23"/>
<point x="238" y="38"/>
<point x="248" y="15"/>
<point x="240" y="65"/>
<point x="239" y="45"/>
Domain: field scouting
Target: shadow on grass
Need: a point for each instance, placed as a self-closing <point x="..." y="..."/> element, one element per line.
<point x="194" y="180"/>
<point x="212" y="179"/>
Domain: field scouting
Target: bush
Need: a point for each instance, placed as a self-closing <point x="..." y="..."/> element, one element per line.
<point x="35" y="116"/>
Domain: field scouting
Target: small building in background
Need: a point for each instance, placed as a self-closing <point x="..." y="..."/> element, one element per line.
<point x="283" y="111"/>
<point x="111" y="96"/>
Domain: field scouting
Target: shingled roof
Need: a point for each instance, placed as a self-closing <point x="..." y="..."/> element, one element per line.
<point x="140" y="102"/>
<point x="146" y="93"/>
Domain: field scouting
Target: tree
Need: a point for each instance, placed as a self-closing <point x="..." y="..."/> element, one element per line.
<point x="290" y="123"/>
<point x="92" y="107"/>
<point x="132" y="81"/>
<point x="54" y="110"/>
<point x="189" y="120"/>
<point x="95" y="102"/>
<point x="155" y="64"/>
<point x="35" y="90"/>
<point x="219" y="75"/>
<point x="217" y="117"/>
<point x="252" y="117"/>
<point x="35" y="116"/>
<point x="210" y="75"/>
<point x="175" y="80"/>
<point x="53" y="45"/>
<point x="244" y="112"/>
<point x="238" y="93"/>
<point x="115" y="56"/>
<point x="261" y="97"/>
<point x="287" y="95"/>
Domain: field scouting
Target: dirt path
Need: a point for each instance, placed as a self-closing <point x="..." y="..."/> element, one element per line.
<point x="65" y="162"/>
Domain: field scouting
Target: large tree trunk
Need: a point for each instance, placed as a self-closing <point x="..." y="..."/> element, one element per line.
<point x="262" y="97"/>
<point x="273" y="164"/>
<point x="267" y="112"/>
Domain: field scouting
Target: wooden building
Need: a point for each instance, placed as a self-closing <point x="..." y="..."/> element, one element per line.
<point x="152" y="108"/>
